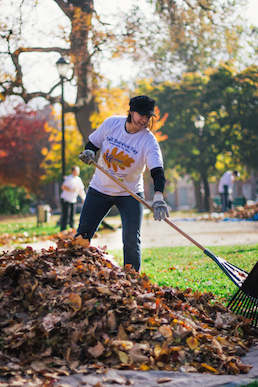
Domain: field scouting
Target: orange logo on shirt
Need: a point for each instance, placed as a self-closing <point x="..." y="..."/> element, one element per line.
<point x="115" y="159"/>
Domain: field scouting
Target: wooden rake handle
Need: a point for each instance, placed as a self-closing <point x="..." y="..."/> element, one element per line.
<point x="121" y="184"/>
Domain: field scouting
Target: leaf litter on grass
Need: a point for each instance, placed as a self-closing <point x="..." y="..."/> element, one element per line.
<point x="70" y="310"/>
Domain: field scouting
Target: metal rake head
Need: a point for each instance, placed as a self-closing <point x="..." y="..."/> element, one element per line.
<point x="246" y="305"/>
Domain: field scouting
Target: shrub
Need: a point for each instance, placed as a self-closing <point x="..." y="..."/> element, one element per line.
<point x="14" y="200"/>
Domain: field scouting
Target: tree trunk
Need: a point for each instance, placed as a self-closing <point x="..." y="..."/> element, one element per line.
<point x="198" y="198"/>
<point x="207" y="193"/>
<point x="83" y="70"/>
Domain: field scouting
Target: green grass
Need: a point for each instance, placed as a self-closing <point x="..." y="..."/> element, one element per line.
<point x="26" y="226"/>
<point x="252" y="384"/>
<point x="188" y="267"/>
<point x="19" y="225"/>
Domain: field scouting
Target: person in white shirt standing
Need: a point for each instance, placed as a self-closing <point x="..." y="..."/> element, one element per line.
<point x="72" y="187"/>
<point x="225" y="189"/>
<point x="126" y="146"/>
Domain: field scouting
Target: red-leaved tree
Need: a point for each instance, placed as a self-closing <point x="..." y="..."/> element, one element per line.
<point x="22" y="138"/>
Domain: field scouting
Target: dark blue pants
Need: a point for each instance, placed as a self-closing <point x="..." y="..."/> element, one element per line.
<point x="67" y="207"/>
<point x="98" y="205"/>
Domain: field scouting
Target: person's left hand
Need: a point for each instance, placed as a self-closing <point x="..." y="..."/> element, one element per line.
<point x="160" y="208"/>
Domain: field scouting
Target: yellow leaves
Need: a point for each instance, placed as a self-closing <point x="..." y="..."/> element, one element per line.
<point x="209" y="368"/>
<point x="192" y="342"/>
<point x="44" y="151"/>
<point x="233" y="367"/>
<point x="75" y="301"/>
<point x="110" y="102"/>
<point x="157" y="350"/>
<point x="74" y="142"/>
<point x="124" y="357"/>
<point x="144" y="367"/>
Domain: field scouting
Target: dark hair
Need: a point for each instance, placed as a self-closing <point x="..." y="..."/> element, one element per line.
<point x="236" y="173"/>
<point x="151" y="123"/>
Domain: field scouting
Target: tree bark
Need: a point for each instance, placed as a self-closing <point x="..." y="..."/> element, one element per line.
<point x="206" y="193"/>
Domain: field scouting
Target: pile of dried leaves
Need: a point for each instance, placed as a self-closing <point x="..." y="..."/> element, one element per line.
<point x="67" y="309"/>
<point x="246" y="212"/>
<point x="24" y="237"/>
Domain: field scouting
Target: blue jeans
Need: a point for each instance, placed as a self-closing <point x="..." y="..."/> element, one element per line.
<point x="98" y="205"/>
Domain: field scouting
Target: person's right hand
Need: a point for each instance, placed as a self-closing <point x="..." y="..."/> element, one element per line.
<point x="87" y="156"/>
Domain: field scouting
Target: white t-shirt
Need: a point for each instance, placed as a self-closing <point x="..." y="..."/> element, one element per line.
<point x="125" y="155"/>
<point x="226" y="179"/>
<point x="75" y="184"/>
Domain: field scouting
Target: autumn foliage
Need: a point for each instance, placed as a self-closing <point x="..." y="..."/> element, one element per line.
<point x="22" y="138"/>
<point x="71" y="308"/>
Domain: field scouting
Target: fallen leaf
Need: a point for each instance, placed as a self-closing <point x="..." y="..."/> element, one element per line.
<point x="75" y="301"/>
<point x="97" y="351"/>
<point x="192" y="342"/>
<point x="209" y="368"/>
<point x="163" y="380"/>
<point x="124" y="357"/>
<point x="165" y="331"/>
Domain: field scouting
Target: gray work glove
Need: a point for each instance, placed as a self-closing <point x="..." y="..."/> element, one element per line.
<point x="160" y="209"/>
<point x="87" y="156"/>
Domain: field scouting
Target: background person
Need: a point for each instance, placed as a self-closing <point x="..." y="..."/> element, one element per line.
<point x="127" y="146"/>
<point x="225" y="188"/>
<point x="72" y="187"/>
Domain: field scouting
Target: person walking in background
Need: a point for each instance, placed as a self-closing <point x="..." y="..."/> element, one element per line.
<point x="225" y="188"/>
<point x="72" y="187"/>
<point x="127" y="146"/>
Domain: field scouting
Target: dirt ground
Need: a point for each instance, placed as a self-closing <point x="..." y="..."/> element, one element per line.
<point x="160" y="234"/>
<point x="206" y="233"/>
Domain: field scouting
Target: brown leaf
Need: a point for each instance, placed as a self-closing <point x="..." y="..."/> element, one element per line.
<point x="49" y="321"/>
<point x="137" y="355"/>
<point x="104" y="290"/>
<point x="165" y="331"/>
<point x="121" y="334"/>
<point x="96" y="351"/>
<point x="111" y="319"/>
<point x="217" y="346"/>
<point x="163" y="380"/>
<point x="75" y="301"/>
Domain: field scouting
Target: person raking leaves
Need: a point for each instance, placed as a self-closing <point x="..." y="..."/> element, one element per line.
<point x="127" y="146"/>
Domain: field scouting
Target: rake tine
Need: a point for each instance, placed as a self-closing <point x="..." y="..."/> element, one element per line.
<point x="256" y="318"/>
<point x="245" y="301"/>
<point x="242" y="301"/>
<point x="252" y="311"/>
<point x="247" y="307"/>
